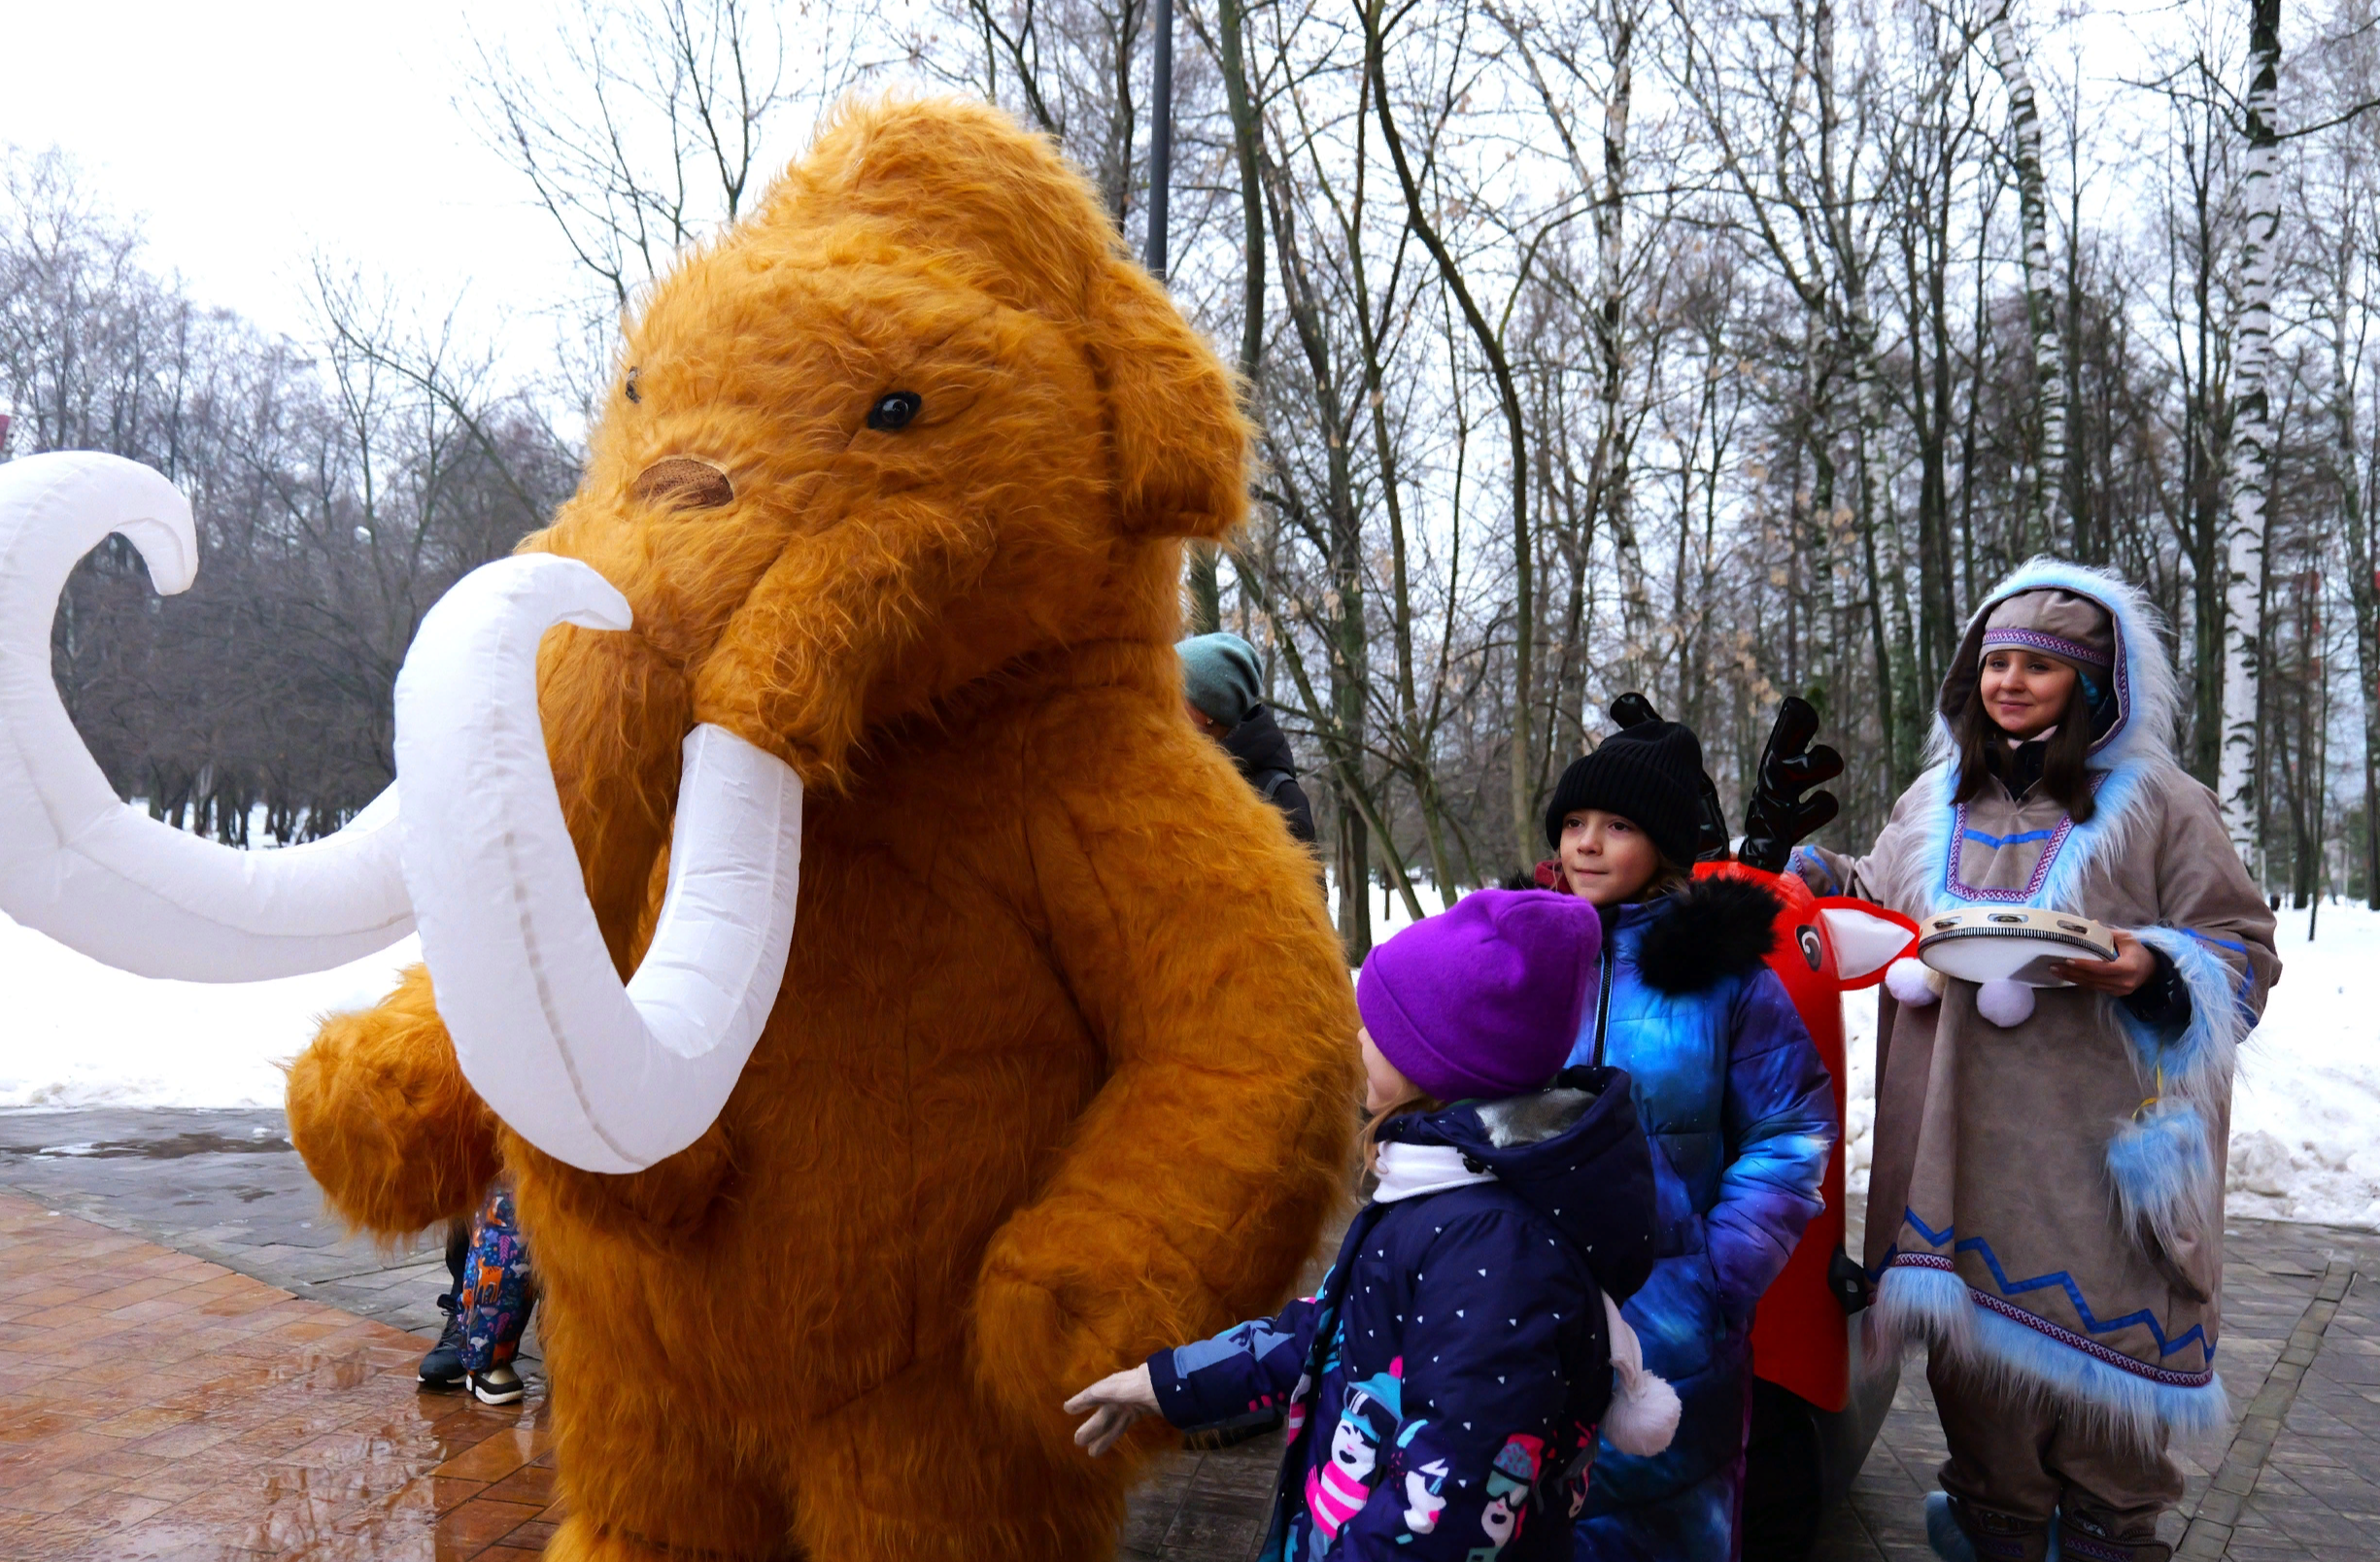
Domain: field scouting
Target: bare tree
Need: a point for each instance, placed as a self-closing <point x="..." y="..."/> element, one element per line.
<point x="2250" y="443"/>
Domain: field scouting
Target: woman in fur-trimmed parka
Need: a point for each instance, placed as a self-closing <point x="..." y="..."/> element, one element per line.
<point x="2045" y="1203"/>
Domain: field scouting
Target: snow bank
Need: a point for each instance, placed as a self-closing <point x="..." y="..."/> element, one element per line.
<point x="80" y="1034"/>
<point x="2305" y="1112"/>
<point x="2305" y="1119"/>
<point x="74" y="1033"/>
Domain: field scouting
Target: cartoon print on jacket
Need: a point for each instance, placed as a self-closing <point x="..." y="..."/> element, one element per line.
<point x="1462" y="1333"/>
<point x="1336" y="1489"/>
<point x="1425" y="1484"/>
<point x="898" y="495"/>
<point x="1511" y="1480"/>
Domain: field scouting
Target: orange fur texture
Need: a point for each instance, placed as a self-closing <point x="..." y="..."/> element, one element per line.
<point x="1063" y="1068"/>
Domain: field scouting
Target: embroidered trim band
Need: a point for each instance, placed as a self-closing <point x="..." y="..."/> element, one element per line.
<point x="2065" y="1337"/>
<point x="2056" y="645"/>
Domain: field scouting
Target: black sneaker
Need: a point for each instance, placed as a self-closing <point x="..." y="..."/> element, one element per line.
<point x="498" y="1385"/>
<point x="442" y="1369"/>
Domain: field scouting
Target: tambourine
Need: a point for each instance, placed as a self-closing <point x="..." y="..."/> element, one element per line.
<point x="2009" y="943"/>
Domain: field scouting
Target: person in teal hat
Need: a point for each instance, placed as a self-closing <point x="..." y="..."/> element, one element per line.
<point x="1223" y="689"/>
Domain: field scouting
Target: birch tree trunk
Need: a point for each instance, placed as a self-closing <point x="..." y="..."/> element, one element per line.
<point x="2045" y="474"/>
<point x="1611" y="453"/>
<point x="2250" y="443"/>
<point x="2347" y="472"/>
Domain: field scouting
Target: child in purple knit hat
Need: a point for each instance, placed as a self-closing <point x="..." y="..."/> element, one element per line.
<point x="1445" y="1389"/>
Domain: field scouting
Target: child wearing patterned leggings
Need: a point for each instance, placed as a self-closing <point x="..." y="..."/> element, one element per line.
<point x="488" y="1311"/>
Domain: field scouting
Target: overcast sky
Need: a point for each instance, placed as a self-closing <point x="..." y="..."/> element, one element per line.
<point x="246" y="136"/>
<point x="250" y="135"/>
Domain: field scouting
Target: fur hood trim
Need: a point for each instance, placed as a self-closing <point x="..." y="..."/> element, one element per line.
<point x="2148" y="699"/>
<point x="1715" y="928"/>
<point x="2132" y="760"/>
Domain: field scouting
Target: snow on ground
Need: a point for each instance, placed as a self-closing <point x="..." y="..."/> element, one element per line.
<point x="74" y="1033"/>
<point x="2305" y="1111"/>
<point x="2305" y="1115"/>
<point x="80" y="1034"/>
<point x="2305" y="1118"/>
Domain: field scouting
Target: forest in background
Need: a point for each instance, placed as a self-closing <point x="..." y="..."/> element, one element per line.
<point x="1721" y="351"/>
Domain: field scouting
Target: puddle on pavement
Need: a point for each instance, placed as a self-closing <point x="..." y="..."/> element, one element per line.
<point x="259" y="1141"/>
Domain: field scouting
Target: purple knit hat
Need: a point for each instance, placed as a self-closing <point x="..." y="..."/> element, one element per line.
<point x="1483" y="1001"/>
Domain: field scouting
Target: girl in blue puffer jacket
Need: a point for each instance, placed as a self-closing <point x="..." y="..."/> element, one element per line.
<point x="1738" y="1106"/>
<point x="1444" y="1387"/>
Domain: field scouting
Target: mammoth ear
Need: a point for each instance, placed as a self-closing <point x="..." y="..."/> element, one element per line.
<point x="1174" y="429"/>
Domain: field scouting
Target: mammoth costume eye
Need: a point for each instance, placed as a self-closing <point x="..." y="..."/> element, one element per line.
<point x="631" y="386"/>
<point x="893" y="409"/>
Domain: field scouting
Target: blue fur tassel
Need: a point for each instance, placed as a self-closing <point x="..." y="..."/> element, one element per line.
<point x="2162" y="1169"/>
<point x="2161" y="1165"/>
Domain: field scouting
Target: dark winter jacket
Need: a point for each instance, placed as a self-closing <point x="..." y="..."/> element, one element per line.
<point x="1258" y="746"/>
<point x="1741" y="1118"/>
<point x="1444" y="1387"/>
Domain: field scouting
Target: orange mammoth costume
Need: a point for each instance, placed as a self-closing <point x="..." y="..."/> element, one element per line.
<point x="1062" y="1067"/>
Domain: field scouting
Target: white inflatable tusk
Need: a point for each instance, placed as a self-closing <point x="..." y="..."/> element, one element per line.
<point x="101" y="876"/>
<point x="605" y="1077"/>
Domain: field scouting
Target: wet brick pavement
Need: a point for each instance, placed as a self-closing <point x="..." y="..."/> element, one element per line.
<point x="222" y="1185"/>
<point x="381" y="1470"/>
<point x="154" y="1406"/>
<point x="226" y="1186"/>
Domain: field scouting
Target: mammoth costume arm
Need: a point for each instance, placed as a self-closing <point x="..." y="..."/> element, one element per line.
<point x="1188" y="929"/>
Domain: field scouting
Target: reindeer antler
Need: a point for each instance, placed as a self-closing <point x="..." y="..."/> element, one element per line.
<point x="1778" y="815"/>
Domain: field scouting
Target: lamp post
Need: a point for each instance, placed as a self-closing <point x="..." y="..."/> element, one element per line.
<point x="1161" y="139"/>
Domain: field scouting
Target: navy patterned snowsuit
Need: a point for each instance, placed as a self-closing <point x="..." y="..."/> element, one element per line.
<point x="1442" y="1390"/>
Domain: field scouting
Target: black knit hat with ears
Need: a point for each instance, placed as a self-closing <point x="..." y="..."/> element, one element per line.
<point x="1649" y="774"/>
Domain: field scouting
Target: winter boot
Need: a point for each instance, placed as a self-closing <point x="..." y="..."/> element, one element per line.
<point x="1961" y="1532"/>
<point x="2088" y="1535"/>
<point x="442" y="1369"/>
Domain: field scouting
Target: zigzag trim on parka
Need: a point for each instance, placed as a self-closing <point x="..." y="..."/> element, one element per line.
<point x="2014" y="1348"/>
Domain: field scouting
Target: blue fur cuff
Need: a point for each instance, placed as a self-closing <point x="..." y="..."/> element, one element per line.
<point x="2161" y="1164"/>
<point x="2200" y="1056"/>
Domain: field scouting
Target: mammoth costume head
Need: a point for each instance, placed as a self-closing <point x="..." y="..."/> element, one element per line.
<point x="914" y="422"/>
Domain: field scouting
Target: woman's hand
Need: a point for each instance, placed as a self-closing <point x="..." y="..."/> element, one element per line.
<point x="1115" y="1402"/>
<point x="2120" y="977"/>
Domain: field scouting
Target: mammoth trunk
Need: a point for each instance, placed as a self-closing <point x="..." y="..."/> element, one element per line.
<point x="832" y="633"/>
